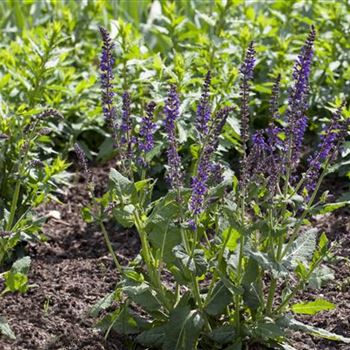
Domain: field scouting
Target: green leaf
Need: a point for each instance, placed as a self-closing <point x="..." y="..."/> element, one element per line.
<point x="87" y="215"/>
<point x="301" y="249"/>
<point x="153" y="337"/>
<point x="252" y="297"/>
<point x="165" y="237"/>
<point x="21" y="265"/>
<point x="230" y="237"/>
<point x="143" y="184"/>
<point x="164" y="234"/>
<point x="320" y="275"/>
<point x="323" y="244"/>
<point x="183" y="329"/>
<point x="267" y="329"/>
<point x="319" y="332"/>
<point x="16" y="282"/>
<point x="206" y="18"/>
<point x="16" y="279"/>
<point x="143" y="295"/>
<point x="267" y="263"/>
<point x="313" y="307"/>
<point x="121" y="320"/>
<point x="332" y="206"/>
<point x="121" y="184"/>
<point x="220" y="298"/>
<point x="5" y="329"/>
<point x="124" y="215"/>
<point x="196" y="264"/>
<point x="223" y="335"/>
<point x="251" y="272"/>
<point x="103" y="304"/>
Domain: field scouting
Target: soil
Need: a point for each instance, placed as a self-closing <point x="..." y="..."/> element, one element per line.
<point x="69" y="274"/>
<point x="73" y="270"/>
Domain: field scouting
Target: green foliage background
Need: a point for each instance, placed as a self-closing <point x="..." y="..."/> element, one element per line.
<point x="162" y="41"/>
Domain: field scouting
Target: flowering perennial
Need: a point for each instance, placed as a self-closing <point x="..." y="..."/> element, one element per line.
<point x="172" y="112"/>
<point x="106" y="68"/>
<point x="206" y="168"/>
<point x="146" y="138"/>
<point x="204" y="109"/>
<point x="246" y="71"/>
<point x="333" y="134"/>
<point x="148" y="128"/>
<point x="297" y="101"/>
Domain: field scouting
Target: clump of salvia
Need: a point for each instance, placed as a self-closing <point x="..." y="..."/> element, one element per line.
<point x="248" y="246"/>
<point x="268" y="157"/>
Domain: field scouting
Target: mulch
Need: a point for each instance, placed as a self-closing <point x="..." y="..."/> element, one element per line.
<point x="72" y="270"/>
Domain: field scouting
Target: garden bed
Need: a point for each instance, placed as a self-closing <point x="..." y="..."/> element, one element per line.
<point x="73" y="270"/>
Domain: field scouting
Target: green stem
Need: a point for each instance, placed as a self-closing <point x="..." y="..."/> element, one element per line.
<point x="240" y="263"/>
<point x="14" y="204"/>
<point x="21" y="172"/>
<point x="154" y="273"/>
<point x="281" y="237"/>
<point x="215" y="275"/>
<point x="271" y="295"/>
<point x="110" y="247"/>
<point x="299" y="286"/>
<point x="306" y="211"/>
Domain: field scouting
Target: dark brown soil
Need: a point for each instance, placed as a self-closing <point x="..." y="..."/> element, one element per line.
<point x="337" y="227"/>
<point x="69" y="274"/>
<point x="73" y="269"/>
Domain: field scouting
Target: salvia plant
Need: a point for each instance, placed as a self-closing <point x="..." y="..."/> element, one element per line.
<point x="223" y="256"/>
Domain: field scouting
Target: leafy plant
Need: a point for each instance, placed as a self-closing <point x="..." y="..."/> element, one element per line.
<point x="222" y="256"/>
<point x="30" y="169"/>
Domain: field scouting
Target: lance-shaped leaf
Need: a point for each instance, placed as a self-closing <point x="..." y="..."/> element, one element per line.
<point x="312" y="307"/>
<point x="319" y="332"/>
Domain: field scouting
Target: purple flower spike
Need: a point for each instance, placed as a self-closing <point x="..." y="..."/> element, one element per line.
<point x="333" y="134"/>
<point x="264" y="159"/>
<point x="126" y="125"/>
<point x="204" y="109"/>
<point x="126" y="121"/>
<point x="246" y="71"/>
<point x="172" y="112"/>
<point x="192" y="225"/>
<point x="216" y="171"/>
<point x="148" y="127"/>
<point x="274" y="98"/>
<point x="297" y="101"/>
<point x="106" y="68"/>
<point x="206" y="169"/>
<point x="81" y="158"/>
